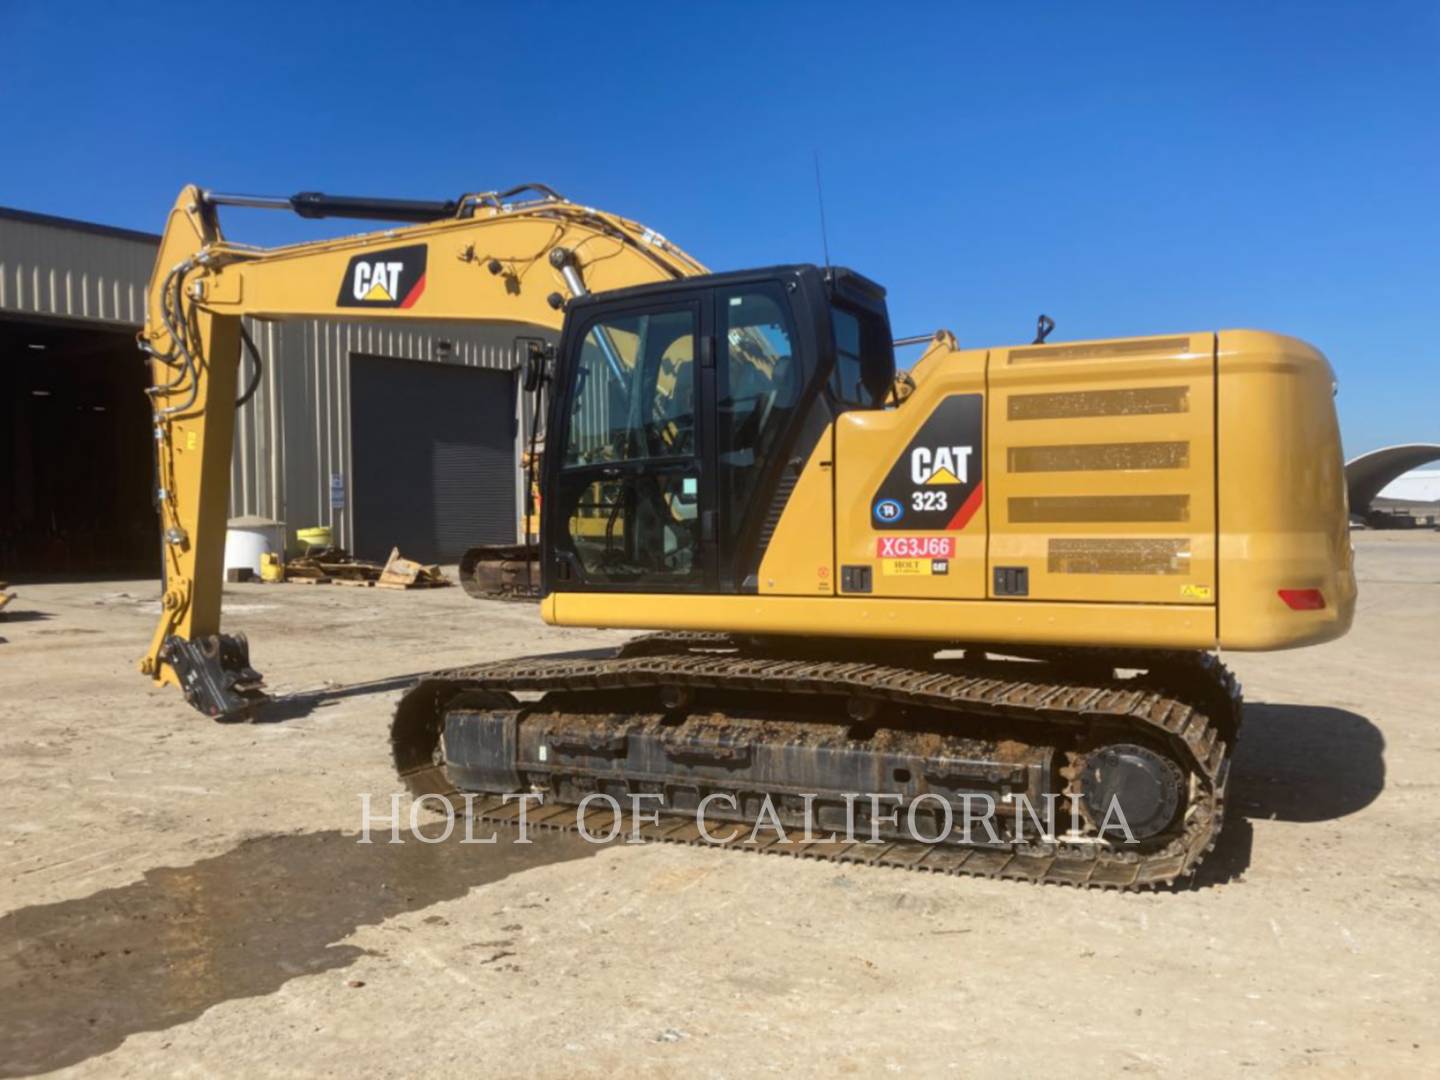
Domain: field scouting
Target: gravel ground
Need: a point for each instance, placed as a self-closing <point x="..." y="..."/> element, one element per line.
<point x="187" y="898"/>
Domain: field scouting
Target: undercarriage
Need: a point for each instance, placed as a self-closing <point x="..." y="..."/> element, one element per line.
<point x="501" y="572"/>
<point x="1081" y="767"/>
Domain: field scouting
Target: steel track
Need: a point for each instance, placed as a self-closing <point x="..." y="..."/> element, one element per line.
<point x="1191" y="706"/>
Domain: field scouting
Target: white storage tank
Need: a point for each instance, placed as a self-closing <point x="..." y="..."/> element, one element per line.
<point x="247" y="538"/>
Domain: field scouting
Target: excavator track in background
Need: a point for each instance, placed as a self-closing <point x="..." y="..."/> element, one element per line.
<point x="685" y="715"/>
<point x="502" y="572"/>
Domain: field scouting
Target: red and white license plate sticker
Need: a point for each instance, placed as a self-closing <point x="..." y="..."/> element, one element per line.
<point x="915" y="547"/>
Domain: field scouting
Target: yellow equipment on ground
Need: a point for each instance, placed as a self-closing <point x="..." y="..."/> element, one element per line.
<point x="272" y="568"/>
<point x="317" y="536"/>
<point x="882" y="600"/>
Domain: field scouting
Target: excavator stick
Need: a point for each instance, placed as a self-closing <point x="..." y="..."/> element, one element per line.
<point x="195" y="354"/>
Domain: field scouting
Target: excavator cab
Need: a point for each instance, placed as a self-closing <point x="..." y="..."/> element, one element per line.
<point x="681" y="413"/>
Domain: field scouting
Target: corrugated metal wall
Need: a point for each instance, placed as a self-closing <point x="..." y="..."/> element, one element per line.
<point x="295" y="433"/>
<point x="54" y="270"/>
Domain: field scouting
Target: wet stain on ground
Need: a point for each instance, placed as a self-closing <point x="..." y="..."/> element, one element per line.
<point x="77" y="977"/>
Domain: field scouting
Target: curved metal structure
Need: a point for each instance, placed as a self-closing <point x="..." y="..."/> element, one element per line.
<point x="1369" y="474"/>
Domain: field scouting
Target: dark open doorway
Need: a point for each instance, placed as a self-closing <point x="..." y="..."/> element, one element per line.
<point x="434" y="457"/>
<point x="75" y="453"/>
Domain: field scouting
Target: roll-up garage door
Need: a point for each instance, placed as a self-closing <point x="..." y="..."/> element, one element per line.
<point x="433" y="448"/>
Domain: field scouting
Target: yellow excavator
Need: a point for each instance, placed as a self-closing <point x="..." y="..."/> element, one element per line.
<point x="884" y="607"/>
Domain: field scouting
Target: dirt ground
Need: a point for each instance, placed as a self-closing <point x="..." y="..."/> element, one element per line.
<point x="179" y="897"/>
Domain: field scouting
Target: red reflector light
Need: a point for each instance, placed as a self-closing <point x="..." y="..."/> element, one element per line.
<point x="1303" y="599"/>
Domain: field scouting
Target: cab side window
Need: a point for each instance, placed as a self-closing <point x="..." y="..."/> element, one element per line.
<point x="760" y="383"/>
<point x="854" y="381"/>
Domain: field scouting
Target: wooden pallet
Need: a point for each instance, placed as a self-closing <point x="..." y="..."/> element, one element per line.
<point x="402" y="573"/>
<point x="397" y="573"/>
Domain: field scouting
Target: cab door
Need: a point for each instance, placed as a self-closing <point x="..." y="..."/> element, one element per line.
<point x="634" y="507"/>
<point x="758" y="382"/>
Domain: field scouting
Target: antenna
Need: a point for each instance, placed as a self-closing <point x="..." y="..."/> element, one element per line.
<point x="820" y="198"/>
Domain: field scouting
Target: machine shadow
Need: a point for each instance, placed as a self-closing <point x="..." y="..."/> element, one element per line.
<point x="79" y="976"/>
<point x="1306" y="763"/>
<point x="295" y="706"/>
<point x="24" y="616"/>
<point x="1301" y="763"/>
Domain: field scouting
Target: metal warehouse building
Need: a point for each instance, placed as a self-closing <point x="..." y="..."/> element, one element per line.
<point x="392" y="436"/>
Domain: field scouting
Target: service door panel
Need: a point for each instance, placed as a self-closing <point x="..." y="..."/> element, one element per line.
<point x="1102" y="471"/>
<point x="910" y="488"/>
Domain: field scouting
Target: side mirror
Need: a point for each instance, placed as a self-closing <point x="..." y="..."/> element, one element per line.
<point x="533" y="376"/>
<point x="902" y="387"/>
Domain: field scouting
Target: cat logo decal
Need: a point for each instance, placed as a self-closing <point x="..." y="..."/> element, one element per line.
<point x="384" y="279"/>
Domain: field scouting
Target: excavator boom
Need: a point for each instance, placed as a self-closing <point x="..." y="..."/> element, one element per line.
<point x="482" y="257"/>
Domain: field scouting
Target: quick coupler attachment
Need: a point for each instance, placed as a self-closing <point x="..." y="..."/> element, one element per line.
<point x="215" y="674"/>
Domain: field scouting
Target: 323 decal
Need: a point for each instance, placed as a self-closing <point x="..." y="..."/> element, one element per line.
<point x="938" y="481"/>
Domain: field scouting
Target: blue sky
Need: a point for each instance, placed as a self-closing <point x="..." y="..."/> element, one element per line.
<point x="1127" y="169"/>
